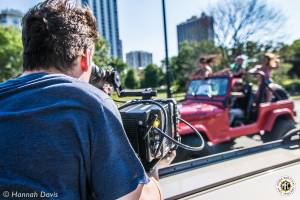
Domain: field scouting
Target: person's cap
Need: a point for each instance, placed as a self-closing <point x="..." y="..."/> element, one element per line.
<point x="241" y="57"/>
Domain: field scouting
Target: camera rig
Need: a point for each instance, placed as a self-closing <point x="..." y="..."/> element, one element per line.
<point x="142" y="121"/>
<point x="150" y="124"/>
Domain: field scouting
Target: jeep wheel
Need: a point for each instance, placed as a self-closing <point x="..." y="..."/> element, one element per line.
<point x="280" y="128"/>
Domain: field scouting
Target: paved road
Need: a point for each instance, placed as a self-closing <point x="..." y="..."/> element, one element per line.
<point x="297" y="108"/>
<point x="245" y="141"/>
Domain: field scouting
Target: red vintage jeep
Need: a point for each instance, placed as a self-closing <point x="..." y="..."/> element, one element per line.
<point x="209" y="103"/>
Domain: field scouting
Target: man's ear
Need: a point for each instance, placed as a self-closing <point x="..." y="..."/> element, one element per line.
<point x="85" y="61"/>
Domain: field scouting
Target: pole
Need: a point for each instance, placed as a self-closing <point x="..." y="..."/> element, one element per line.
<point x="168" y="70"/>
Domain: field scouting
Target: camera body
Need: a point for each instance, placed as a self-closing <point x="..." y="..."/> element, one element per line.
<point x="139" y="120"/>
<point x="142" y="118"/>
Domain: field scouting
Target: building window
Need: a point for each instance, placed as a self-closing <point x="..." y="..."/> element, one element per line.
<point x="95" y="9"/>
<point x="103" y="18"/>
<point x="16" y="21"/>
<point x="85" y="2"/>
<point x="3" y="20"/>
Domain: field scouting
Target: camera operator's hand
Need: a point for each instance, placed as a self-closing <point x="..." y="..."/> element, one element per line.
<point x="165" y="162"/>
<point x="108" y="89"/>
<point x="152" y="190"/>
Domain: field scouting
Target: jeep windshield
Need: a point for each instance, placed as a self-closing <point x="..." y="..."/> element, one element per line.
<point x="209" y="87"/>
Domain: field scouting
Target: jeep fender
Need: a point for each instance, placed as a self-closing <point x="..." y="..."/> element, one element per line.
<point x="275" y="114"/>
<point x="202" y="129"/>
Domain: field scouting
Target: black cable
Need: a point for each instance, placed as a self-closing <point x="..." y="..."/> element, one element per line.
<point x="162" y="132"/>
<point x="184" y="146"/>
<point x="137" y="102"/>
<point x="159" y="146"/>
<point x="194" y="129"/>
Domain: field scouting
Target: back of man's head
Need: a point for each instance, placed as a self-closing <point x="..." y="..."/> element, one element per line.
<point x="55" y="33"/>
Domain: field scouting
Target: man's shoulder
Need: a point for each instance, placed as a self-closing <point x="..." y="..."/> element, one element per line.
<point x="58" y="88"/>
<point x="62" y="88"/>
<point x="94" y="94"/>
<point x="82" y="91"/>
<point x="83" y="88"/>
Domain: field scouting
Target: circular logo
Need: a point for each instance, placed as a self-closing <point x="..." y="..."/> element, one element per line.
<point x="286" y="185"/>
<point x="5" y="194"/>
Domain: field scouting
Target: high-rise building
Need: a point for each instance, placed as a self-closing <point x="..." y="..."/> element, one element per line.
<point x="196" y="29"/>
<point x="139" y="59"/>
<point x="106" y="13"/>
<point x="10" y="17"/>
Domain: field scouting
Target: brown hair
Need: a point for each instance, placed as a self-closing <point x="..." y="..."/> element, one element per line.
<point x="55" y="33"/>
<point x="208" y="59"/>
<point x="273" y="59"/>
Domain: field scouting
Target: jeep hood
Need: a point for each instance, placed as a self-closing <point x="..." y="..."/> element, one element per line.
<point x="196" y="109"/>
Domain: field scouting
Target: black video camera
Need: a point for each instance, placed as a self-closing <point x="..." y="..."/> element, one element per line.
<point x="150" y="124"/>
<point x="142" y="119"/>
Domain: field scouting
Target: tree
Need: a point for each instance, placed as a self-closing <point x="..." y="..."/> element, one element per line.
<point x="131" y="80"/>
<point x="118" y="64"/>
<point x="101" y="57"/>
<point x="10" y="52"/>
<point x="281" y="74"/>
<point x="239" y="21"/>
<point x="254" y="50"/>
<point x="291" y="53"/>
<point x="287" y="52"/>
<point x="152" y="76"/>
<point x="295" y="48"/>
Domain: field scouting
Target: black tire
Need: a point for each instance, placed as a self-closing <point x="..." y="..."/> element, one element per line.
<point x="280" y="128"/>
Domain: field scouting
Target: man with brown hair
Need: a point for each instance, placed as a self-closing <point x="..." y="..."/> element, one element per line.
<point x="59" y="136"/>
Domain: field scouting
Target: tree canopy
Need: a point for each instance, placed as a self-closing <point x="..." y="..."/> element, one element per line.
<point x="10" y="52"/>
<point x="131" y="80"/>
<point x="101" y="57"/>
<point x="152" y="76"/>
<point x="239" y="21"/>
<point x="185" y="62"/>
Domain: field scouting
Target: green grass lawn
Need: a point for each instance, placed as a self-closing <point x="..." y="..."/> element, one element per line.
<point x="296" y="97"/>
<point x="160" y="95"/>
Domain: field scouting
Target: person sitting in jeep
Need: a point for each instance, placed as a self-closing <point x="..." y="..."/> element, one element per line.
<point x="237" y="103"/>
<point x="238" y="68"/>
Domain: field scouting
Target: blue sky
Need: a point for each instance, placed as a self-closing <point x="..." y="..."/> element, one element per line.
<point x="141" y="21"/>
